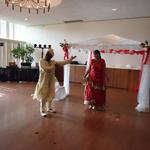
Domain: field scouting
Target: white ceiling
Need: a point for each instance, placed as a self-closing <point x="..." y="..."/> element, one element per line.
<point x="87" y="10"/>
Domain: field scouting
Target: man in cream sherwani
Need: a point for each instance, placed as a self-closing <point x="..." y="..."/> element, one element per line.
<point x="45" y="88"/>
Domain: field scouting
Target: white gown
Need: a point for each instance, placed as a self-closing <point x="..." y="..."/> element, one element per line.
<point x="143" y="98"/>
<point x="60" y="92"/>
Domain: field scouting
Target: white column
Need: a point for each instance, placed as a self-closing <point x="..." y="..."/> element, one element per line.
<point x="5" y="59"/>
<point x="8" y="52"/>
<point x="7" y="30"/>
<point x="11" y="48"/>
<point x="1" y="56"/>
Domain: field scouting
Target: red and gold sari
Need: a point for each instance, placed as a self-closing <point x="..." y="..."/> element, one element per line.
<point x="95" y="85"/>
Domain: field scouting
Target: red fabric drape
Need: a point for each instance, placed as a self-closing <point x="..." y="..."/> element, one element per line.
<point x="124" y="51"/>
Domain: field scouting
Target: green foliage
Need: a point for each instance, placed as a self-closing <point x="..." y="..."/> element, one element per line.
<point x="24" y="53"/>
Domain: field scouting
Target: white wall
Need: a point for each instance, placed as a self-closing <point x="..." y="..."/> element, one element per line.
<point x="135" y="29"/>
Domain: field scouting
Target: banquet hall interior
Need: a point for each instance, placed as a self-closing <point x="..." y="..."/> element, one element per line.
<point x="28" y="28"/>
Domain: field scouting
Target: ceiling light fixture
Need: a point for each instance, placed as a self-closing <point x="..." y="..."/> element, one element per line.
<point x="37" y="5"/>
<point x="114" y="9"/>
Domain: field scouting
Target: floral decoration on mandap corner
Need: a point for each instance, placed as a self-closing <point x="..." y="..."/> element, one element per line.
<point x="147" y="46"/>
<point x="65" y="46"/>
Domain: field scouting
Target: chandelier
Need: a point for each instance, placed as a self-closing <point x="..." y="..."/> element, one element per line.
<point x="37" y="5"/>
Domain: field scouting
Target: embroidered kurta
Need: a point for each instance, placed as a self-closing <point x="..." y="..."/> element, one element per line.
<point x="45" y="88"/>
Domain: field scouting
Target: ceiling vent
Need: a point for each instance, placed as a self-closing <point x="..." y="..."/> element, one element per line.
<point x="73" y="21"/>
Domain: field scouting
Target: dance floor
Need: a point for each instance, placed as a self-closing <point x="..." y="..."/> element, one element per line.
<point x="73" y="127"/>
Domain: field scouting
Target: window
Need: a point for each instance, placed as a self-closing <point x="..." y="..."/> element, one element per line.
<point x="3" y="33"/>
<point x="8" y="30"/>
<point x="19" y="32"/>
<point x="11" y="31"/>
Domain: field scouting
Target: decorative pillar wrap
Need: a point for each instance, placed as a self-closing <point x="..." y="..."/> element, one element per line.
<point x="147" y="55"/>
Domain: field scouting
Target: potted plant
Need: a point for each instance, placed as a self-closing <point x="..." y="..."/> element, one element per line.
<point x="23" y="53"/>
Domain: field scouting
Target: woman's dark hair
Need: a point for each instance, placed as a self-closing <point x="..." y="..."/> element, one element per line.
<point x="48" y="56"/>
<point x="97" y="52"/>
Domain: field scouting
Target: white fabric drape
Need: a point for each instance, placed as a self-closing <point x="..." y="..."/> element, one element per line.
<point x="143" y="98"/>
<point x="144" y="89"/>
<point x="88" y="60"/>
<point x="66" y="78"/>
<point x="62" y="91"/>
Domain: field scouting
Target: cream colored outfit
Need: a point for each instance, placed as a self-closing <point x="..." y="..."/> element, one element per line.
<point x="45" y="88"/>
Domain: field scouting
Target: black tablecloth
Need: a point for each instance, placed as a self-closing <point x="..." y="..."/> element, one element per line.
<point x="19" y="74"/>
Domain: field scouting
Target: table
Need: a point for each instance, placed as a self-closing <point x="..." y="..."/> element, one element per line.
<point x="19" y="74"/>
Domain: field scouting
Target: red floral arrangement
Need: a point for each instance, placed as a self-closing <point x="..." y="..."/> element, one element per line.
<point x="65" y="47"/>
<point x="147" y="46"/>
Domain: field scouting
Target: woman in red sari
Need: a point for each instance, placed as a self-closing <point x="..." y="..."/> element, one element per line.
<point x="95" y="93"/>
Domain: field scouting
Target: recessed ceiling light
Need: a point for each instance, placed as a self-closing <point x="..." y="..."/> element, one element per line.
<point x="25" y="19"/>
<point x="114" y="9"/>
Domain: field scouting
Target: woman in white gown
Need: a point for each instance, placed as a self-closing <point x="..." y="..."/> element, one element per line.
<point x="144" y="89"/>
